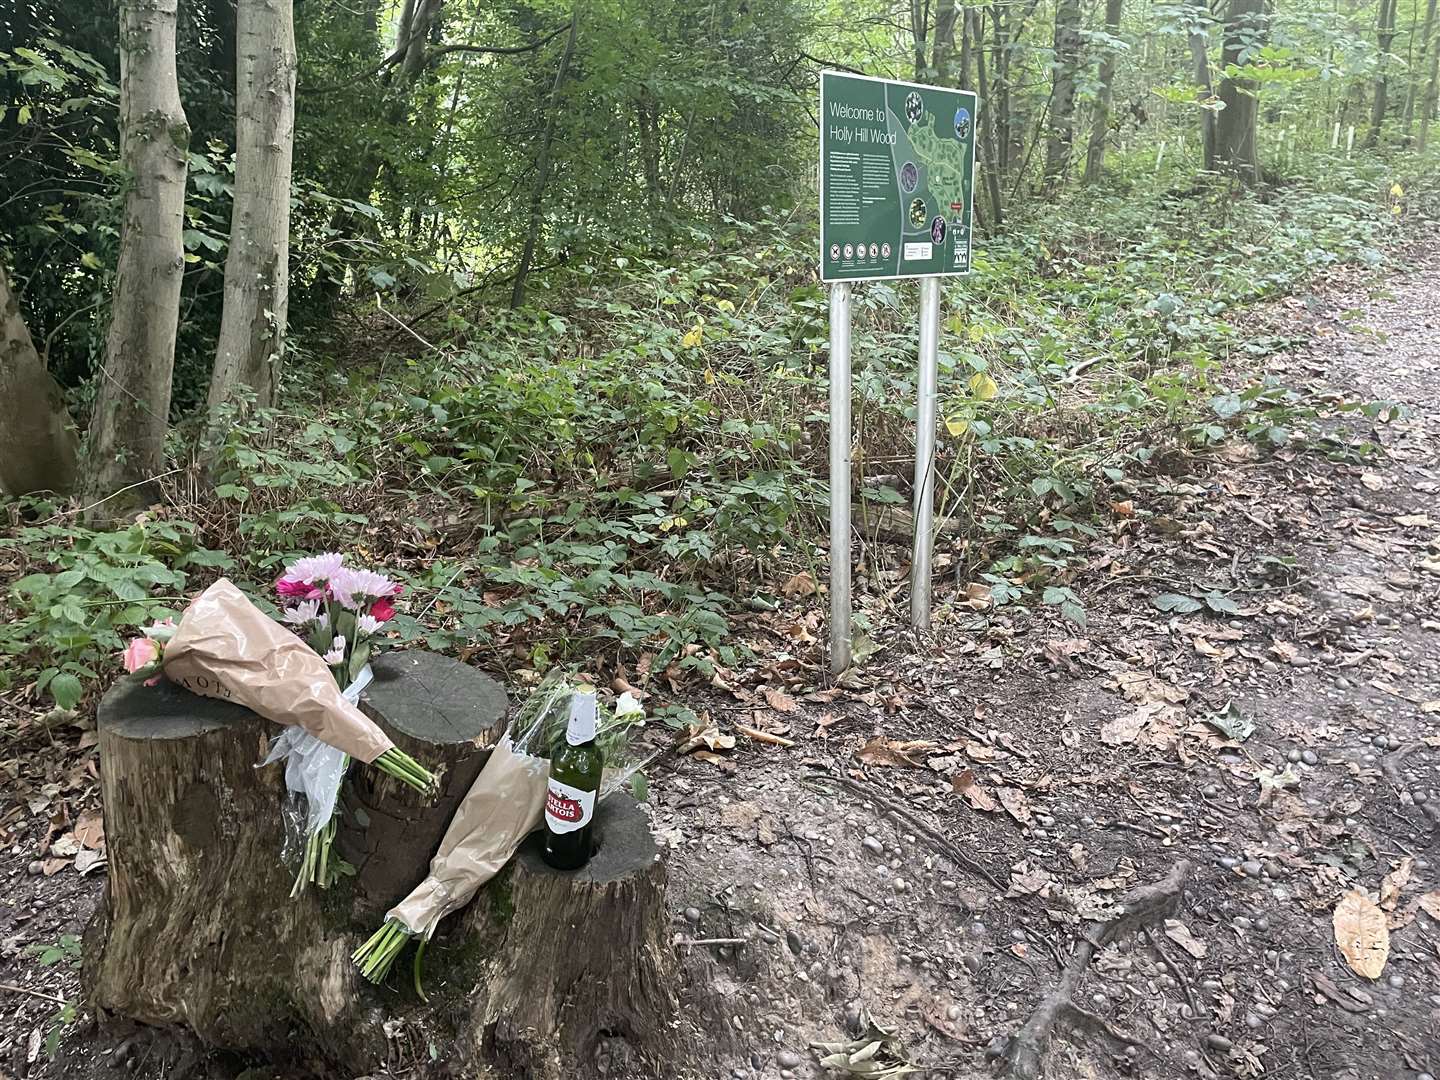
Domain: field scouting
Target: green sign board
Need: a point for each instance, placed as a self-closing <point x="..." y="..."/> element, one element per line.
<point x="897" y="178"/>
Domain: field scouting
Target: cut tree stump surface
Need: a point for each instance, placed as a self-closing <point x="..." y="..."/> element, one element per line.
<point x="447" y="716"/>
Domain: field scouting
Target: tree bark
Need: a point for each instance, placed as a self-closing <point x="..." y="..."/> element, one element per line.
<point x="132" y="400"/>
<point x="38" y="447"/>
<point x="1236" y="151"/>
<point x="1413" y="91"/>
<point x="542" y="167"/>
<point x="197" y="925"/>
<point x="919" y="25"/>
<point x="1061" y="134"/>
<point x="1199" y="40"/>
<point x="447" y="716"/>
<point x="1100" y="127"/>
<point x="257" y="267"/>
<point x="1432" y="91"/>
<point x="986" y="124"/>
<point x="944" y="47"/>
<point x="583" y="975"/>
<point x="1384" y="37"/>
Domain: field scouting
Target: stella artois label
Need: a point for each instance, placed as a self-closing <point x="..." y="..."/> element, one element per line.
<point x="567" y="808"/>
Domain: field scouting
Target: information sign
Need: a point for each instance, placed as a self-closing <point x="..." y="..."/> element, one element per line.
<point x="897" y="178"/>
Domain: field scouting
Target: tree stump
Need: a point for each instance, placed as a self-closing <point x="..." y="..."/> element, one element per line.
<point x="197" y="925"/>
<point x="447" y="716"/>
<point x="581" y="974"/>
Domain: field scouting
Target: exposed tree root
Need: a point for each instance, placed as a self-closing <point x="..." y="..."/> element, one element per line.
<point x="1025" y="1050"/>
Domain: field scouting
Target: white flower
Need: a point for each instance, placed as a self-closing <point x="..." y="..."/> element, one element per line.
<point x="315" y="567"/>
<point x="307" y="611"/>
<point x="336" y="655"/>
<point x="351" y="588"/>
<point x="367" y="625"/>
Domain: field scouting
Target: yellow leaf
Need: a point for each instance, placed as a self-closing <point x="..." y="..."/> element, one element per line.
<point x="1361" y="934"/>
<point x="982" y="386"/>
<point x="709" y="377"/>
<point x="1396" y="190"/>
<point x="956" y="425"/>
<point x="725" y="305"/>
<point x="692" y="339"/>
<point x="89" y="259"/>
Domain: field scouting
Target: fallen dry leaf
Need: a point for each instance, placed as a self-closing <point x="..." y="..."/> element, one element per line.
<point x="90" y="830"/>
<point x="1123" y="729"/>
<point x="762" y="736"/>
<point x="1430" y="706"/>
<point x="780" y="701"/>
<point x="1015" y="803"/>
<point x="1180" y="934"/>
<point x="1026" y="882"/>
<point x="801" y="584"/>
<point x="1394" y="882"/>
<point x="1372" y="481"/>
<point x="965" y="784"/>
<point x="1414" y="521"/>
<point x="724" y="764"/>
<point x="888" y="752"/>
<point x="1430" y="904"/>
<point x="704" y="734"/>
<point x="1139" y="687"/>
<point x="1361" y="934"/>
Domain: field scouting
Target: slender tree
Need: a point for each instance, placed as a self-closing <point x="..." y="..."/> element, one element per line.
<point x="1100" y="126"/>
<point x="257" y="268"/>
<point x="1432" y="93"/>
<point x="542" y="167"/>
<point x="1384" y="37"/>
<point x="1236" y="151"/>
<point x="1199" y="40"/>
<point x="37" y="439"/>
<point x="944" y="47"/>
<point x="1413" y="90"/>
<point x="1061" y="135"/>
<point x="132" y="400"/>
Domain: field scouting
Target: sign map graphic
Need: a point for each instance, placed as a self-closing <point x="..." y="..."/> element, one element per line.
<point x="897" y="178"/>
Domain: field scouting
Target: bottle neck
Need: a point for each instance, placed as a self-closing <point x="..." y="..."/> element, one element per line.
<point x="583" y="711"/>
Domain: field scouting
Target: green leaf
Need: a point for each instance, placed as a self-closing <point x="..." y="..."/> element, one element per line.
<point x="1179" y="603"/>
<point x="67" y="690"/>
<point x="1221" y="604"/>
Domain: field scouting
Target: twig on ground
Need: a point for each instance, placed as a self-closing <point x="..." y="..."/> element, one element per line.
<point x="946" y="848"/>
<point x="687" y="943"/>
<point x="1174" y="970"/>
<point x="33" y="993"/>
<point x="1025" y="1049"/>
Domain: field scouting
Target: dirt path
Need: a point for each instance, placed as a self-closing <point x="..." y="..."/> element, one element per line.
<point x="1070" y="768"/>
<point x="1093" y="771"/>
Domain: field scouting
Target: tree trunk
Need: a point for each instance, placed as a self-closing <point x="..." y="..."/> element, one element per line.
<point x="1199" y="39"/>
<point x="583" y="974"/>
<point x="919" y="24"/>
<point x="1001" y="108"/>
<point x="132" y="400"/>
<point x="1413" y="91"/>
<point x="1384" y="37"/>
<point x="257" y="268"/>
<point x="985" y="123"/>
<point x="1062" y="99"/>
<point x="1235" y="138"/>
<point x="37" y="439"/>
<point x="944" y="47"/>
<point x="1432" y="91"/>
<point x="1100" y="127"/>
<point x="542" y="167"/>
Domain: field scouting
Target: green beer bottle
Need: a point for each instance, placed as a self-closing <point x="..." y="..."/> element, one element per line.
<point x="575" y="771"/>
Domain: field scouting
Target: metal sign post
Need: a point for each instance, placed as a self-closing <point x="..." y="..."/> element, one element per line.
<point x="924" y="540"/>
<point x="897" y="182"/>
<point x="839" y="476"/>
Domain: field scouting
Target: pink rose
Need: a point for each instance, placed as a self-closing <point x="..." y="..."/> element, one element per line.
<point x="382" y="609"/>
<point x="140" y="653"/>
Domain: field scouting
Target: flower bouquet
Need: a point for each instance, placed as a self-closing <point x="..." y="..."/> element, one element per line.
<point x="226" y="647"/>
<point x="503" y="805"/>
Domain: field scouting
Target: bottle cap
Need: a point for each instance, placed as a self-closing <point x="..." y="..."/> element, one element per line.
<point x="582" y="718"/>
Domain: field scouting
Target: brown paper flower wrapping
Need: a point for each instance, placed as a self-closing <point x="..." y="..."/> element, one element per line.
<point x="501" y="808"/>
<point x="228" y="648"/>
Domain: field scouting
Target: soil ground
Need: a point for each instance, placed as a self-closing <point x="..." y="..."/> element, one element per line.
<point x="1005" y="780"/>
